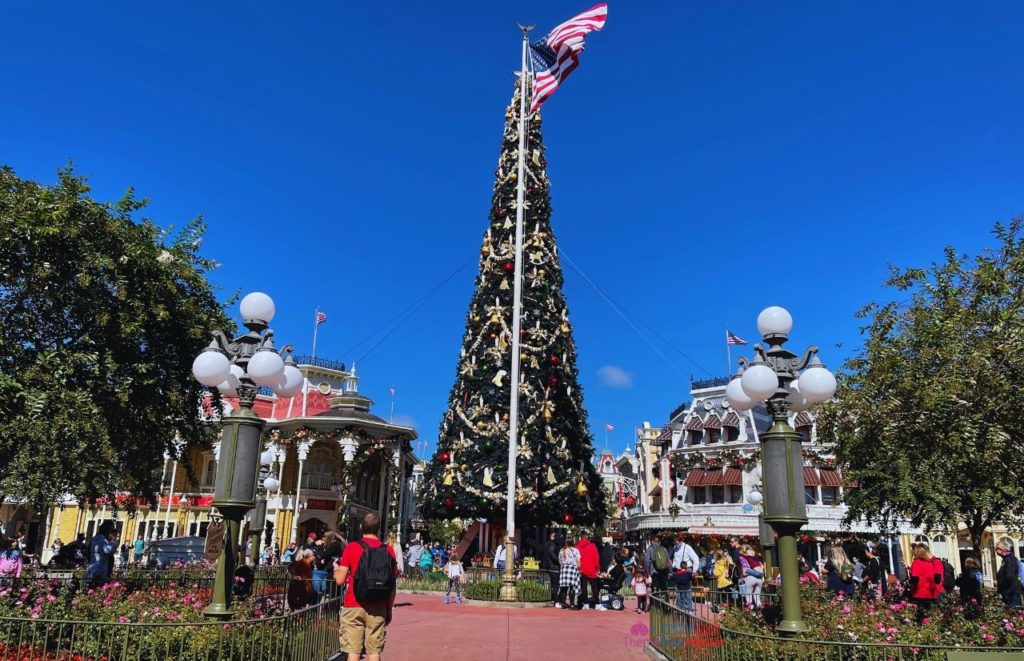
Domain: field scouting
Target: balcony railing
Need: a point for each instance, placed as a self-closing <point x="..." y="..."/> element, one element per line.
<point x="325" y="363"/>
<point x="320" y="480"/>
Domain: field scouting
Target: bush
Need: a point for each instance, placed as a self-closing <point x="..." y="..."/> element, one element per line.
<point x="489" y="590"/>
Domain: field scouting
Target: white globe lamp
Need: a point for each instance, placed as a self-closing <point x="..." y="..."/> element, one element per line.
<point x="270" y="484"/>
<point x="291" y="382"/>
<point x="817" y="384"/>
<point x="774" y="321"/>
<point x="759" y="382"/>
<point x="257" y="306"/>
<point x="796" y="399"/>
<point x="266" y="458"/>
<point x="229" y="386"/>
<point x="754" y="497"/>
<point x="736" y="397"/>
<point x="266" y="368"/>
<point x="211" y="367"/>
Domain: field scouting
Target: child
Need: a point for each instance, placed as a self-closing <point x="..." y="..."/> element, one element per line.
<point x="455" y="578"/>
<point x="641" y="579"/>
<point x="858" y="571"/>
<point x="683" y="580"/>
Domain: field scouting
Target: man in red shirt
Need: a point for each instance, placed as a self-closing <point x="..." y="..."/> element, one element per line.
<point x="590" y="567"/>
<point x="363" y="625"/>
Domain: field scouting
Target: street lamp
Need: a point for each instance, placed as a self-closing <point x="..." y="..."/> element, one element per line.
<point x="239" y="367"/>
<point x="784" y="382"/>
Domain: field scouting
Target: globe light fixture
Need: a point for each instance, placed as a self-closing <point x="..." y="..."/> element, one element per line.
<point x="271" y="484"/>
<point x="291" y="381"/>
<point x="736" y="397"/>
<point x="774" y="321"/>
<point x="211" y="367"/>
<point x="817" y="384"/>
<point x="759" y="382"/>
<point x="237" y="367"/>
<point x="257" y="306"/>
<point x="754" y="497"/>
<point x="796" y="399"/>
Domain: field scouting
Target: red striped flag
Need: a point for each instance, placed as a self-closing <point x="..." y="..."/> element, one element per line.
<point x="609" y="427"/>
<point x="321" y="317"/>
<point x="556" y="55"/>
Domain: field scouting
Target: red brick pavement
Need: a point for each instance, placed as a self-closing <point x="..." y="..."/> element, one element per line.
<point x="424" y="628"/>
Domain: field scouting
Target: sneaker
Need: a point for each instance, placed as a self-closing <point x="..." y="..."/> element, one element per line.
<point x="600" y="607"/>
<point x="559" y="605"/>
<point x="638" y="611"/>
<point x="585" y="607"/>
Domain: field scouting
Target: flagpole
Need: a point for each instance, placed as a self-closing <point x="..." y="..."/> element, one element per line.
<point x="316" y="328"/>
<point x="508" y="580"/>
<point x="728" y="353"/>
<point x="305" y="377"/>
<point x="392" y="419"/>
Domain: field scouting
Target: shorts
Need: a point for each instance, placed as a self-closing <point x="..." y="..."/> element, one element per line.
<point x="363" y="629"/>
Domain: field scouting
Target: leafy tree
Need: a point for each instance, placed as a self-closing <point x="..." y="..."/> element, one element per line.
<point x="447" y="532"/>
<point x="101" y="317"/>
<point x="467" y="476"/>
<point x="929" y="418"/>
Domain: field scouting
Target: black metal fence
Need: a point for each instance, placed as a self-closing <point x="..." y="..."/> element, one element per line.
<point x="303" y="635"/>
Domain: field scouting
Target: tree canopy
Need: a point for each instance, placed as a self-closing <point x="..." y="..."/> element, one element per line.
<point x="101" y="316"/>
<point x="929" y="417"/>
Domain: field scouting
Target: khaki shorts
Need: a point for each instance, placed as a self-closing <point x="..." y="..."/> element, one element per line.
<point x="363" y="630"/>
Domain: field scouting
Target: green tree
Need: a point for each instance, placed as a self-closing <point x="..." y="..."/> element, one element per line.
<point x="467" y="476"/>
<point x="928" y="417"/>
<point x="447" y="532"/>
<point x="101" y="316"/>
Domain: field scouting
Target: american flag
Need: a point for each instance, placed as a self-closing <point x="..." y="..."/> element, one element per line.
<point x="392" y="391"/>
<point x="321" y="317"/>
<point x="556" y="55"/>
<point x="609" y="427"/>
<point x="733" y="338"/>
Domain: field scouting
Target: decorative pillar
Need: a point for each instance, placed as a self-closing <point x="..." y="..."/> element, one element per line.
<point x="666" y="482"/>
<point x="303" y="452"/>
<point x="170" y="497"/>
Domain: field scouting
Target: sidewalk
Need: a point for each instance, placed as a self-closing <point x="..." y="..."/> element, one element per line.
<point x="424" y="628"/>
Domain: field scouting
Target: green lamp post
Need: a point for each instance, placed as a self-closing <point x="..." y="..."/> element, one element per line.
<point x="239" y="367"/>
<point x="785" y="382"/>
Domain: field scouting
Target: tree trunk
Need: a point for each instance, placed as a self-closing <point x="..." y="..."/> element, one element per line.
<point x="976" y="534"/>
<point x="43" y="532"/>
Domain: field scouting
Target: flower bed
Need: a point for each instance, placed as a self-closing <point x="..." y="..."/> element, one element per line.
<point x="853" y="621"/>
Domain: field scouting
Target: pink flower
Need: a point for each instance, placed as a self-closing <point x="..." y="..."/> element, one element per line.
<point x="120" y="618"/>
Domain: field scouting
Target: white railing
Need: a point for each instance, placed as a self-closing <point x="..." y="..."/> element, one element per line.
<point x="322" y="481"/>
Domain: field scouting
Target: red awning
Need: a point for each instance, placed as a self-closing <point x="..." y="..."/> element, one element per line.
<point x="803" y="419"/>
<point x="714" y="478"/>
<point x="694" y="424"/>
<point x="811" y="478"/>
<point x="830" y="477"/>
<point x="665" y="435"/>
<point x="731" y="420"/>
<point x="732" y="477"/>
<point x="695" y="478"/>
<point x="713" y="422"/>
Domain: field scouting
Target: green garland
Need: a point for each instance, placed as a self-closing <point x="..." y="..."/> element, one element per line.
<point x="726" y="457"/>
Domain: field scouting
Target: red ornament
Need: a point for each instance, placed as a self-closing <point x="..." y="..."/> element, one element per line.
<point x="554" y="360"/>
<point x="567" y="518"/>
<point x="444" y="457"/>
<point x="509" y="267"/>
<point x="449" y="502"/>
<point x="553" y="381"/>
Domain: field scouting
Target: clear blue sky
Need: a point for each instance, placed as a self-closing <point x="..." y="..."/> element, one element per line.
<point x="707" y="159"/>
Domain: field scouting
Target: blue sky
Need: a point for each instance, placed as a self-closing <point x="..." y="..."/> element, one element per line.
<point x="707" y="159"/>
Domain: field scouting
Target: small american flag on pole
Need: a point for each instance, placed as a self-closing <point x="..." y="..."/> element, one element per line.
<point x="556" y="55"/>
<point x="321" y="317"/>
<point x="733" y="338"/>
<point x="609" y="427"/>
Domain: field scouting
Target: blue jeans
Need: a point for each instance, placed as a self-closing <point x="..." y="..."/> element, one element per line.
<point x="319" y="581"/>
<point x="684" y="600"/>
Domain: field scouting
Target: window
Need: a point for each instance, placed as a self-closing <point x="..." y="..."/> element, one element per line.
<point x="696" y="437"/>
<point x="717" y="495"/>
<point x="805" y="433"/>
<point x="699" y="494"/>
<point x="829" y="495"/>
<point x="210" y="473"/>
<point x="714" y="436"/>
<point x="735" y="494"/>
<point x="732" y="434"/>
<point x="810" y="497"/>
<point x="607" y="467"/>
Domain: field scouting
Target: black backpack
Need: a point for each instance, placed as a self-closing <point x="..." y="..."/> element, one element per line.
<point x="948" y="578"/>
<point x="375" y="574"/>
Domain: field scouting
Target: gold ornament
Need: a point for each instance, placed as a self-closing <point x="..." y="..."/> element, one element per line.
<point x="508" y="224"/>
<point x="486" y="250"/>
<point x="488" y="482"/>
<point x="498" y="377"/>
<point x="504" y="284"/>
<point x="481" y="425"/>
<point x="581" y="489"/>
<point x="551" y="476"/>
<point x="536" y="157"/>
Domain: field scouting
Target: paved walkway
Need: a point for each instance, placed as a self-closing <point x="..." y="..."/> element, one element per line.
<point x="424" y="628"/>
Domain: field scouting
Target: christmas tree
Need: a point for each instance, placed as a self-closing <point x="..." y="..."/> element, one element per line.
<point x="556" y="481"/>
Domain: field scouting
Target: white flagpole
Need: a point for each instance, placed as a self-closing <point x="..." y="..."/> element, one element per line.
<point x="728" y="353"/>
<point x="305" y="379"/>
<point x="316" y="328"/>
<point x="517" y="292"/>
<point x="392" y="419"/>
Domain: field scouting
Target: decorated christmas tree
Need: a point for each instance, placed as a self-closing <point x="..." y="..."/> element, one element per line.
<point x="556" y="482"/>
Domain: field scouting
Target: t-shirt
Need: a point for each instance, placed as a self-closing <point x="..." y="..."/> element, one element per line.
<point x="140" y="546"/>
<point x="350" y="558"/>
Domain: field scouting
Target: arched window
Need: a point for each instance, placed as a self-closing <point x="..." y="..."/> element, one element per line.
<point x="940" y="546"/>
<point x="922" y="539"/>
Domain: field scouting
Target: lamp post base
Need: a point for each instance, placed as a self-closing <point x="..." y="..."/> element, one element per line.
<point x="508" y="576"/>
<point x="223" y="583"/>
<point x="792" y="618"/>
